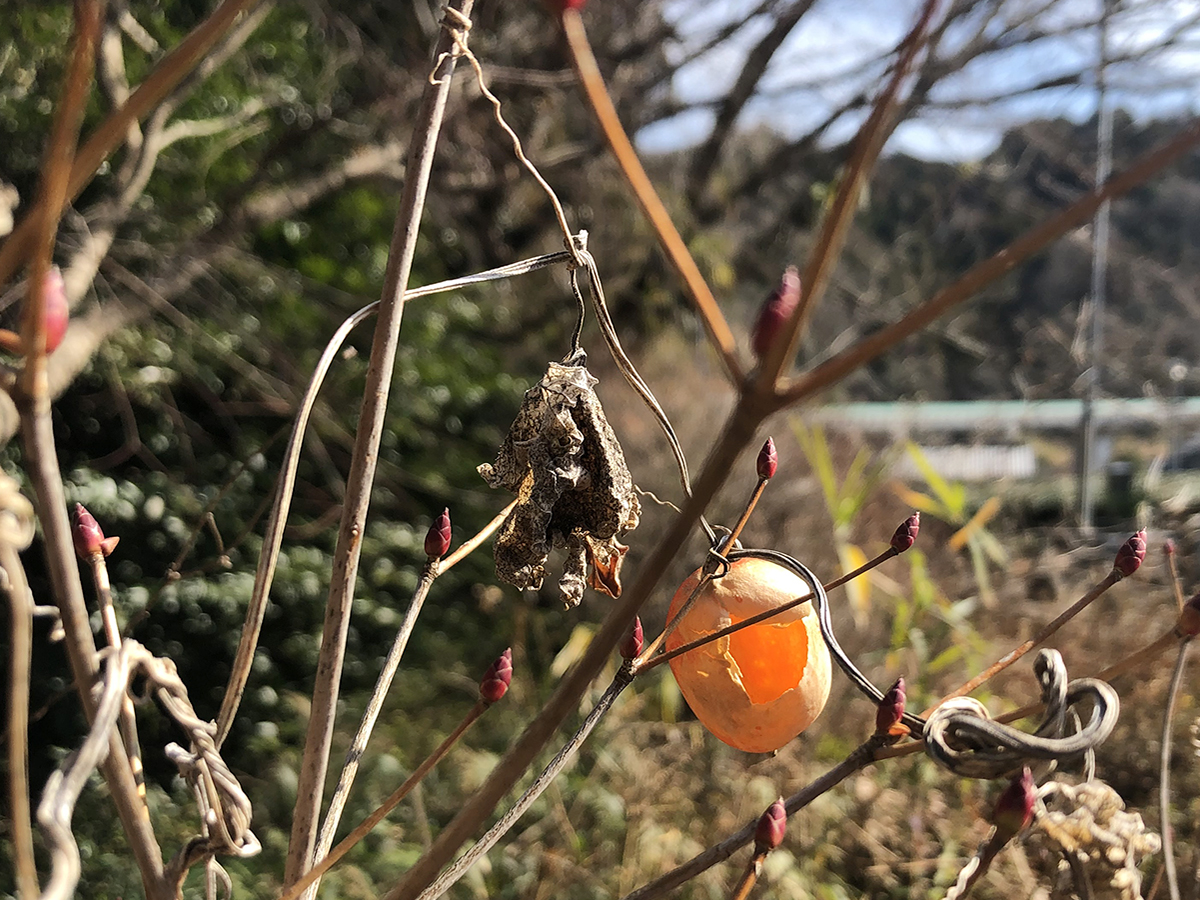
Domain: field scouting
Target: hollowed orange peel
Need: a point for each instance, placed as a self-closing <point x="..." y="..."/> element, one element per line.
<point x="757" y="688"/>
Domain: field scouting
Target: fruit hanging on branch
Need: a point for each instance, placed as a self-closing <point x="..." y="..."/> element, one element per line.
<point x="573" y="488"/>
<point x="758" y="688"/>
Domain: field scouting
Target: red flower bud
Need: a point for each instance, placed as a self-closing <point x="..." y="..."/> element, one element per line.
<point x="906" y="535"/>
<point x="1014" y="806"/>
<point x="1131" y="554"/>
<point x="498" y="677"/>
<point x="768" y="460"/>
<point x="88" y="537"/>
<point x="437" y="540"/>
<point x="891" y="708"/>
<point x="631" y="644"/>
<point x="1189" y="618"/>
<point x="771" y="826"/>
<point x="1169" y="547"/>
<point x="55" y="309"/>
<point x="775" y="312"/>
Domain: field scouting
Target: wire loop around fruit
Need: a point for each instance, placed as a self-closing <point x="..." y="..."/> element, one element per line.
<point x="960" y="734"/>
<point x="820" y="602"/>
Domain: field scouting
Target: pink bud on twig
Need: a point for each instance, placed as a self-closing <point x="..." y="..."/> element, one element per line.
<point x="768" y="460"/>
<point x="87" y="535"/>
<point x="437" y="540"/>
<point x="1169" y="547"/>
<point x="771" y="826"/>
<point x="1014" y="806"/>
<point x="1130" y="556"/>
<point x="1189" y="618"/>
<point x="891" y="709"/>
<point x="775" y="312"/>
<point x="54" y="308"/>
<point x="631" y="644"/>
<point x="906" y="535"/>
<point x="498" y="677"/>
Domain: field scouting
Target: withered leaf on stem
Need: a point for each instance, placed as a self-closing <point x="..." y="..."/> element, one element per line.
<point x="573" y="488"/>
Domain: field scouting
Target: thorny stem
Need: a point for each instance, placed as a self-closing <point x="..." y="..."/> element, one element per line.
<point x="861" y="756"/>
<point x="21" y="649"/>
<point x="669" y="655"/>
<point x="1164" y="769"/>
<point x="111" y="133"/>
<point x="310" y="878"/>
<point x="635" y="175"/>
<point x="358" y="745"/>
<point x="448" y="878"/>
<point x="836" y="224"/>
<point x="978" y="276"/>
<point x="370" y="432"/>
<point x="1040" y="638"/>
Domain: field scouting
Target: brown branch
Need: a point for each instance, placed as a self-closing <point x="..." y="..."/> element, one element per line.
<point x="366" y="446"/>
<point x="21" y="649"/>
<point x="836" y="225"/>
<point x="31" y="397"/>
<point x="984" y="273"/>
<point x="631" y="167"/>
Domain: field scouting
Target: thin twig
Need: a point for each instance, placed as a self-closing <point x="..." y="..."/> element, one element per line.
<point x="31" y="397"/>
<point x="127" y="721"/>
<point x="369" y="823"/>
<point x="861" y="756"/>
<point x="1036" y="641"/>
<point x="749" y="876"/>
<point x="631" y="167"/>
<point x="21" y="649"/>
<point x="836" y="225"/>
<point x="1164" y="772"/>
<point x="366" y="446"/>
<point x="461" y="865"/>
<point x="358" y="745"/>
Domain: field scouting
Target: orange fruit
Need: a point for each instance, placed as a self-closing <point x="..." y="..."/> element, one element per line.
<point x="757" y="688"/>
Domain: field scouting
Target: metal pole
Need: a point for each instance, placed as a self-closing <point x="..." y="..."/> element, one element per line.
<point x="1087" y="446"/>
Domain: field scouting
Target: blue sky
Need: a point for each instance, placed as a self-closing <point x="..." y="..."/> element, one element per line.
<point x="828" y="59"/>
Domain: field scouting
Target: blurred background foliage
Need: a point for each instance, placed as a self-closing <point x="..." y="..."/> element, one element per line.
<point x="206" y="289"/>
